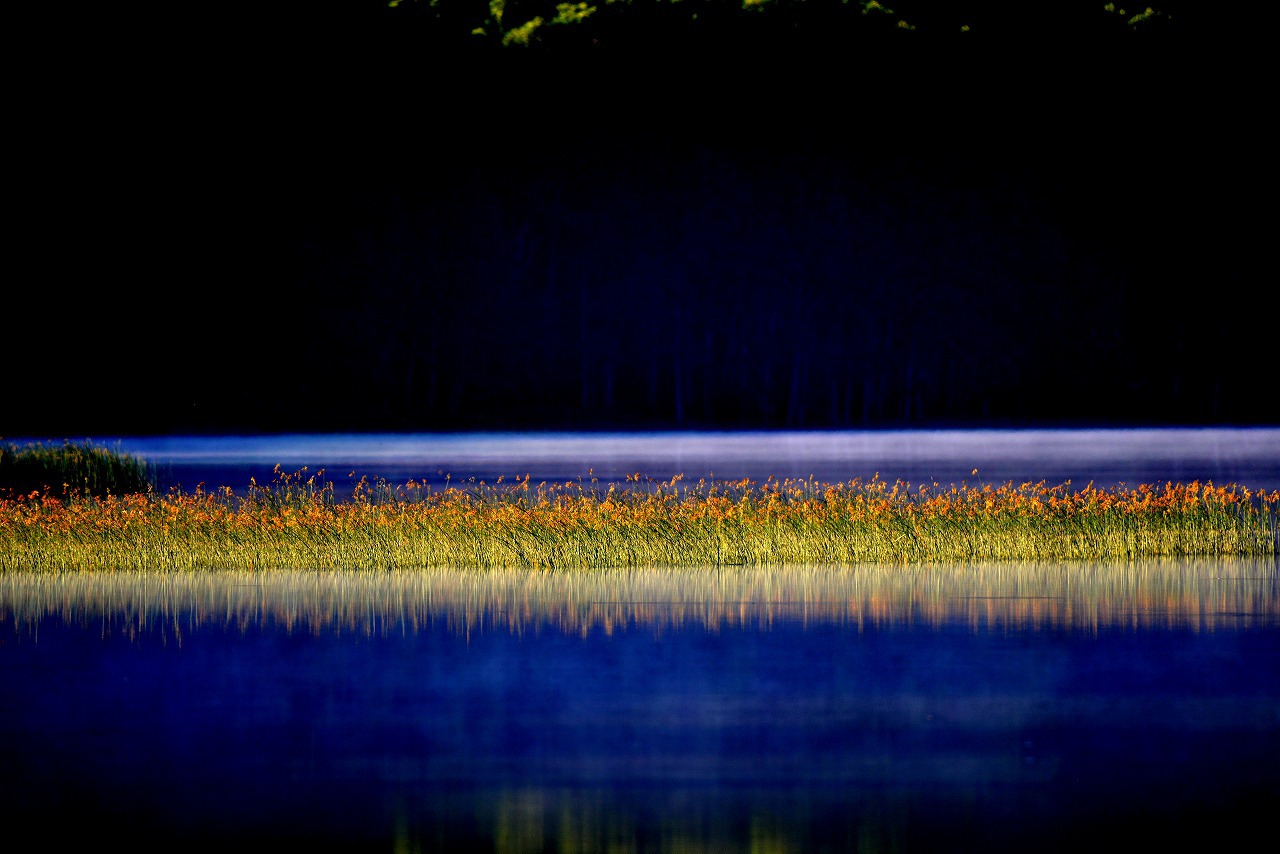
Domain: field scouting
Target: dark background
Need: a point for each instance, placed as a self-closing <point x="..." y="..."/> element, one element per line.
<point x="323" y="224"/>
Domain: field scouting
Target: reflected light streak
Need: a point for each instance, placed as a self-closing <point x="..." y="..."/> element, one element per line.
<point x="1201" y="595"/>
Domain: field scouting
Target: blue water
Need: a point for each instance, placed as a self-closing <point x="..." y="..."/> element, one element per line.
<point x="394" y="725"/>
<point x="369" y="728"/>
<point x="1246" y="456"/>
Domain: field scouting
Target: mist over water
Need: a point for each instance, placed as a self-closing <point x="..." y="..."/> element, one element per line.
<point x="1248" y="456"/>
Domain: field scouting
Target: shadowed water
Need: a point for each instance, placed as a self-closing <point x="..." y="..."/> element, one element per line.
<point x="983" y="707"/>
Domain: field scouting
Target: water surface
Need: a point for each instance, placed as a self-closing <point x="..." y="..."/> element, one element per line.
<point x="962" y="708"/>
<point x="1246" y="456"/>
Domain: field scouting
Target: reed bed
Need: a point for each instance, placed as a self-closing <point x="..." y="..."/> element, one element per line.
<point x="302" y="522"/>
<point x="60" y="469"/>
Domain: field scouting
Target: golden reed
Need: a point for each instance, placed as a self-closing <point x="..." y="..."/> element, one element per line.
<point x="301" y="522"/>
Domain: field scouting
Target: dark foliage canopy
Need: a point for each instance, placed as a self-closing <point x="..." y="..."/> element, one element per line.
<point x="355" y="216"/>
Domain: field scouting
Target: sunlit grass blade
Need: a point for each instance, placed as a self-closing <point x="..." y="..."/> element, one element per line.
<point x="302" y="522"/>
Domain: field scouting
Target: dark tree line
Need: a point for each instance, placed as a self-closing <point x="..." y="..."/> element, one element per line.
<point x="691" y="291"/>
<point x="700" y="24"/>
<point x="347" y="233"/>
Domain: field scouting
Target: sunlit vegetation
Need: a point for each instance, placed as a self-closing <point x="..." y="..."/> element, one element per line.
<point x="526" y="23"/>
<point x="302" y="521"/>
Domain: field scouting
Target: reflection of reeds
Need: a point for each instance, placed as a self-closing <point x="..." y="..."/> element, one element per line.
<point x="1198" y="594"/>
<point x="304" y="524"/>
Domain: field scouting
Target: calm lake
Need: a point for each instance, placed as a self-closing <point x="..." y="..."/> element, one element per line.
<point x="1247" y="456"/>
<point x="985" y="707"/>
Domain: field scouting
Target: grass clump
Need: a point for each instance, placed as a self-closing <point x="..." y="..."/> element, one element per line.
<point x="68" y="470"/>
<point x="297" y="523"/>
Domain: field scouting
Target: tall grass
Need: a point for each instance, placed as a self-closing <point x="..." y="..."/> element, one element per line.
<point x="71" y="468"/>
<point x="301" y="522"/>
